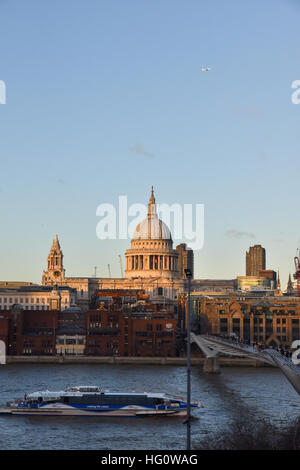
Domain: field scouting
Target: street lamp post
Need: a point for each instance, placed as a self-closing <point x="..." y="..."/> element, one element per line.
<point x="188" y="274"/>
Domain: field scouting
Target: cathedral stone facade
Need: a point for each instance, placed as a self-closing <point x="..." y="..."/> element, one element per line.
<point x="151" y="253"/>
<point x="151" y="264"/>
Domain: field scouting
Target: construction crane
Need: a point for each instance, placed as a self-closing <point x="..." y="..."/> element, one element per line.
<point x="109" y="270"/>
<point x="297" y="273"/>
<point x="121" y="265"/>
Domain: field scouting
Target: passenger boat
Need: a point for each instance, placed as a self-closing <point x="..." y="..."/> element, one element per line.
<point x="92" y="401"/>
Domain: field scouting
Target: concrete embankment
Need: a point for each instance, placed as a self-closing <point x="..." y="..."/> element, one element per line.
<point x="168" y="361"/>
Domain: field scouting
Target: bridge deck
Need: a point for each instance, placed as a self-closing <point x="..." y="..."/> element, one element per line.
<point x="213" y="346"/>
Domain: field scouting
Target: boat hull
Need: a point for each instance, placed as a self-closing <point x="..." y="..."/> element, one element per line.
<point x="126" y="413"/>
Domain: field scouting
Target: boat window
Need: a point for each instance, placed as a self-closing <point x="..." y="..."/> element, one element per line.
<point x="158" y="401"/>
<point x="86" y="400"/>
<point x="124" y="400"/>
<point x="113" y="400"/>
<point x="48" y="399"/>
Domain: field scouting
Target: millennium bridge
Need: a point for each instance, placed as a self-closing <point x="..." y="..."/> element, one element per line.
<point x="212" y="347"/>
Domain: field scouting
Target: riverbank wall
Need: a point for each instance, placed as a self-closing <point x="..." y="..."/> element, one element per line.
<point x="164" y="361"/>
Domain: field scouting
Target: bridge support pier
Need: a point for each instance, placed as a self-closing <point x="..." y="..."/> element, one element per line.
<point x="211" y="365"/>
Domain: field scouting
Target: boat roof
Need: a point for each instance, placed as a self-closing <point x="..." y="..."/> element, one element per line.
<point x="66" y="393"/>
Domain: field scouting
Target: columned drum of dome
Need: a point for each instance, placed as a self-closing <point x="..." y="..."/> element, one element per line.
<point x="151" y="253"/>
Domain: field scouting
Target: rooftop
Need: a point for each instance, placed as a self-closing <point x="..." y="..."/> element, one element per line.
<point x="33" y="288"/>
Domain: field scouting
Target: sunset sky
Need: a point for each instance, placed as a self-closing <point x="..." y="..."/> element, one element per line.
<point x="107" y="98"/>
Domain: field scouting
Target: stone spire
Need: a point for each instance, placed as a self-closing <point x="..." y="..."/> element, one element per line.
<point x="55" y="244"/>
<point x="278" y="286"/>
<point x="152" y="205"/>
<point x="152" y="198"/>
<point x="290" y="287"/>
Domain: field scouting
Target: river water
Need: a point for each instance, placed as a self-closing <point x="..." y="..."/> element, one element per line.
<point x="261" y="392"/>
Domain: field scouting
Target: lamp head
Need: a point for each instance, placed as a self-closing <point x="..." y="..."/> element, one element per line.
<point x="188" y="273"/>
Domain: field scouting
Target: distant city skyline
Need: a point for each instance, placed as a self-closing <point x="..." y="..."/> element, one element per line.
<point x="108" y="98"/>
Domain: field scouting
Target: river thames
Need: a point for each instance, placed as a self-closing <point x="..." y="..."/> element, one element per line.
<point x="262" y="392"/>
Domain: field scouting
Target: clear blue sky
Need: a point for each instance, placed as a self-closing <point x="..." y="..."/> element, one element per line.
<point x="89" y="80"/>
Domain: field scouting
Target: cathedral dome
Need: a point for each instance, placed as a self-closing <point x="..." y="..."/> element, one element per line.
<point x="151" y="253"/>
<point x="153" y="228"/>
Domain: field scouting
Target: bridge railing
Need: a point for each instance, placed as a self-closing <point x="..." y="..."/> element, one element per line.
<point x="245" y="349"/>
<point x="269" y="355"/>
<point x="283" y="360"/>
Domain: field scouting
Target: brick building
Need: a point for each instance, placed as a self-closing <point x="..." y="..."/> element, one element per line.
<point x="120" y="322"/>
<point x="105" y="333"/>
<point x="125" y="323"/>
<point x="29" y="332"/>
<point x="270" y="320"/>
<point x="4" y="327"/>
<point x="152" y="334"/>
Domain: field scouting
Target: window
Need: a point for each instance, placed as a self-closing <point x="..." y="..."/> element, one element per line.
<point x="71" y="341"/>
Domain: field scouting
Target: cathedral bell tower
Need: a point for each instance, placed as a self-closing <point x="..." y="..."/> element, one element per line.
<point x="55" y="273"/>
